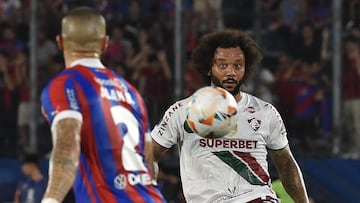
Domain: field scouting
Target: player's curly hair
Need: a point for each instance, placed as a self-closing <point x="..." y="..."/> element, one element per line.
<point x="203" y="54"/>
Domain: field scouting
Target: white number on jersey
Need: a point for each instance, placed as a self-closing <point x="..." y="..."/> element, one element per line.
<point x="132" y="161"/>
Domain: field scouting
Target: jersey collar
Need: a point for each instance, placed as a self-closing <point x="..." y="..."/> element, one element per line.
<point x="244" y="100"/>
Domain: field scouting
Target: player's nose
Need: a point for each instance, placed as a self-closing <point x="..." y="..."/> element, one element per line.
<point x="230" y="70"/>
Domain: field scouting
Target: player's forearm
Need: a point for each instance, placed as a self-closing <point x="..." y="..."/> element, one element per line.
<point x="158" y="151"/>
<point x="149" y="158"/>
<point x="62" y="173"/>
<point x="290" y="174"/>
<point x="64" y="160"/>
<point x="292" y="179"/>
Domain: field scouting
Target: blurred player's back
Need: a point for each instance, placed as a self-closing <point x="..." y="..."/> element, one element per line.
<point x="115" y="129"/>
<point x="99" y="125"/>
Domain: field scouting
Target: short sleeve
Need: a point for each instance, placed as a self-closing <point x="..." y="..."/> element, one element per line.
<point x="278" y="135"/>
<point x="167" y="131"/>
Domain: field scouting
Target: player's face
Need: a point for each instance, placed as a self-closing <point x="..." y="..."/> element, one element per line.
<point x="26" y="169"/>
<point x="228" y="69"/>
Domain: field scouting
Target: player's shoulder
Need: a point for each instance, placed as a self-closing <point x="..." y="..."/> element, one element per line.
<point x="176" y="110"/>
<point x="60" y="78"/>
<point x="179" y="105"/>
<point x="257" y="103"/>
<point x="64" y="79"/>
<point x="173" y="117"/>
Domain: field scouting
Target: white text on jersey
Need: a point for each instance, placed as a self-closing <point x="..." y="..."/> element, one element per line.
<point x="110" y="82"/>
<point x="115" y="95"/>
<point x="121" y="181"/>
<point x="164" y="123"/>
<point x="228" y="144"/>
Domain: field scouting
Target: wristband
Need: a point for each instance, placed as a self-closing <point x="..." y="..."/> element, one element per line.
<point x="49" y="200"/>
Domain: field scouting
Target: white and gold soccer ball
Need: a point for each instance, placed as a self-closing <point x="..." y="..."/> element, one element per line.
<point x="211" y="113"/>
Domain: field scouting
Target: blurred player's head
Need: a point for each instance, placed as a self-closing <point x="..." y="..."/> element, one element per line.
<point x="227" y="59"/>
<point x="30" y="165"/>
<point x="83" y="31"/>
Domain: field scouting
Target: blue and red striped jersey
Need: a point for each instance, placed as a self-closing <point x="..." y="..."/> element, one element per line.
<point x="114" y="130"/>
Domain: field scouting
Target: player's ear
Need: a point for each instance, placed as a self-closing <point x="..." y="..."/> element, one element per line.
<point x="59" y="41"/>
<point x="104" y="42"/>
<point x="209" y="73"/>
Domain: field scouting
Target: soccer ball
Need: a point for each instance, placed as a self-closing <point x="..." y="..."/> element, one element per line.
<point x="211" y="113"/>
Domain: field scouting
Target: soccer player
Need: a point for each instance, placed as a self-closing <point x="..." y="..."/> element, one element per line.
<point x="99" y="124"/>
<point x="233" y="168"/>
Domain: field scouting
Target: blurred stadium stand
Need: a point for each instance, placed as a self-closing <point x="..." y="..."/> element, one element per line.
<point x="332" y="180"/>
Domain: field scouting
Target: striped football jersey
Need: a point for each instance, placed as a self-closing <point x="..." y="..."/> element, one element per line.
<point x="114" y="130"/>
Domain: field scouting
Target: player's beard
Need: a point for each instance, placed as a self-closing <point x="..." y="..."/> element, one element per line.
<point x="233" y="91"/>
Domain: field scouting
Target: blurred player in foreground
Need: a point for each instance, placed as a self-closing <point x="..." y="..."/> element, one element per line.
<point x="233" y="168"/>
<point x="99" y="124"/>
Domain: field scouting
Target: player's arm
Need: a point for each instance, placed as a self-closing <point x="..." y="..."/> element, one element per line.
<point x="290" y="174"/>
<point x="158" y="152"/>
<point x="149" y="158"/>
<point x="64" y="159"/>
<point x="166" y="133"/>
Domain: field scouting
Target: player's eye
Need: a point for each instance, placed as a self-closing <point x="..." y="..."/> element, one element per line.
<point x="238" y="66"/>
<point x="222" y="65"/>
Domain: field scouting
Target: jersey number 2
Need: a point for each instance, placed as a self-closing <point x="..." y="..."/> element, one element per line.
<point x="132" y="161"/>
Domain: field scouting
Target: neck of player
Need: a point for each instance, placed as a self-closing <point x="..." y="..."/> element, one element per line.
<point x="70" y="57"/>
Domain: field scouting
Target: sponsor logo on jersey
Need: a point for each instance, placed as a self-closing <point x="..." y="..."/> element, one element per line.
<point x="228" y="143"/>
<point x="110" y="83"/>
<point x="164" y="122"/>
<point x="254" y="123"/>
<point x="122" y="180"/>
<point x="251" y="109"/>
<point x="72" y="99"/>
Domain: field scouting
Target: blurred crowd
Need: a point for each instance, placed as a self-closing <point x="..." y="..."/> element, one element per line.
<point x="299" y="35"/>
<point x="296" y="75"/>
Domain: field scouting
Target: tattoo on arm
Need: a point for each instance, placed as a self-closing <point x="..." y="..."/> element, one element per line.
<point x="290" y="174"/>
<point x="64" y="159"/>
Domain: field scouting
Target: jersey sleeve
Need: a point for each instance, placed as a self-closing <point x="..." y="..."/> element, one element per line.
<point x="278" y="135"/>
<point x="59" y="100"/>
<point x="167" y="131"/>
